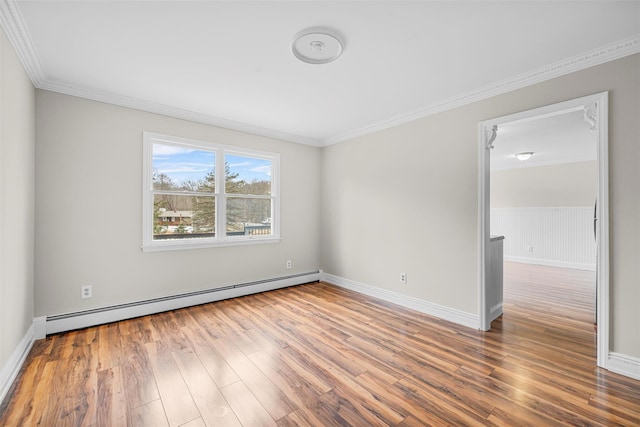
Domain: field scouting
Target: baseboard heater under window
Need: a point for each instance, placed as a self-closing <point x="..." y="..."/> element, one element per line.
<point x="82" y="319"/>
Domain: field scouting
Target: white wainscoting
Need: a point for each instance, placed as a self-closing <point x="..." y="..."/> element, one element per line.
<point x="559" y="237"/>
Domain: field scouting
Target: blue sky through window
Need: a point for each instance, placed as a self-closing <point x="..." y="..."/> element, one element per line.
<point x="182" y="164"/>
<point x="249" y="168"/>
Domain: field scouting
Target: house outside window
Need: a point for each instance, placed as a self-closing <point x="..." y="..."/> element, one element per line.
<point x="199" y="194"/>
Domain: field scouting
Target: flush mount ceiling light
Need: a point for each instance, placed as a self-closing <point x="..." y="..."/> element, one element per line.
<point x="524" y="156"/>
<point x="317" y="45"/>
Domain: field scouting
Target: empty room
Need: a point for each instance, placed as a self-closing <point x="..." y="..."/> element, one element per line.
<point x="281" y="213"/>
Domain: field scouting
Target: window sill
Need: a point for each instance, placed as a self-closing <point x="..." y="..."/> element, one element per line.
<point x="167" y="245"/>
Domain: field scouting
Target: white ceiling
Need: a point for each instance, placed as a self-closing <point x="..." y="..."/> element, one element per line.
<point x="229" y="63"/>
<point x="563" y="138"/>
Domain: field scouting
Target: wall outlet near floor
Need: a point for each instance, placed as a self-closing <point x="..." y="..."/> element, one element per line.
<point x="403" y="278"/>
<point x="86" y="291"/>
<point x="288" y="263"/>
<point x="529" y="248"/>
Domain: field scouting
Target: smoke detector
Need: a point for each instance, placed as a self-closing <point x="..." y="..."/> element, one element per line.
<point x="317" y="45"/>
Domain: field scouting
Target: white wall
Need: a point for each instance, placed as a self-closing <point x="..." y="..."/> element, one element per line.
<point x="568" y="184"/>
<point x="17" y="111"/>
<point x="89" y="210"/>
<point x="546" y="213"/>
<point x="406" y="199"/>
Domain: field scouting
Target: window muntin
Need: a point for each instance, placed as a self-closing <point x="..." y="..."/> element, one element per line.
<point x="184" y="207"/>
<point x="248" y="195"/>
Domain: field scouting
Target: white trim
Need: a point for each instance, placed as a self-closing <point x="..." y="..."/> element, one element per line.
<point x="71" y="321"/>
<point x="203" y="243"/>
<point x="618" y="363"/>
<point x="40" y="327"/>
<point x="609" y="52"/>
<point x="602" y="213"/>
<point x="486" y="135"/>
<point x="426" y="307"/>
<point x="17" y="33"/>
<point x="551" y="263"/>
<point x="11" y="369"/>
<point x="19" y="37"/>
<point x="624" y="365"/>
<point x="169" y="111"/>
<point x="601" y="100"/>
<point x="495" y="312"/>
<point x="149" y="244"/>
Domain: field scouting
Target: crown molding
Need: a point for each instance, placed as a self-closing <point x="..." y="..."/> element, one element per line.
<point x="166" y="110"/>
<point x="592" y="58"/>
<point x="18" y="35"/>
<point x="14" y="26"/>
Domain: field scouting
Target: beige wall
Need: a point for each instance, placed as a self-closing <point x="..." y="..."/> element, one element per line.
<point x="406" y="199"/>
<point x="565" y="185"/>
<point x="89" y="210"/>
<point x="17" y="112"/>
<point x="403" y="199"/>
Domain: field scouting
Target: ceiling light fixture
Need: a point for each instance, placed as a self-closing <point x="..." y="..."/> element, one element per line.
<point x="524" y="156"/>
<point x="317" y="45"/>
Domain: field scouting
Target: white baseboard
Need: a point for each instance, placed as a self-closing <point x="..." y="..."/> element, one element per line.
<point x="39" y="327"/>
<point x="550" y="263"/>
<point x="616" y="362"/>
<point x="495" y="312"/>
<point x="84" y="319"/>
<point x="624" y="365"/>
<point x="11" y="369"/>
<point x="42" y="326"/>
<point x="440" y="311"/>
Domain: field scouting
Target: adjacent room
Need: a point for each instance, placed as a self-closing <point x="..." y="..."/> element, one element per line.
<point x="543" y="202"/>
<point x="279" y="213"/>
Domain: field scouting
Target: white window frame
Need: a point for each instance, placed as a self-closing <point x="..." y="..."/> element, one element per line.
<point x="220" y="239"/>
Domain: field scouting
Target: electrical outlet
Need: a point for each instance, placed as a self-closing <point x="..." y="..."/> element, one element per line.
<point x="403" y="278"/>
<point x="86" y="292"/>
<point x="529" y="248"/>
<point x="288" y="263"/>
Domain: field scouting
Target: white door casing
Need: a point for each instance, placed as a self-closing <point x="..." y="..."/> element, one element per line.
<point x="595" y="109"/>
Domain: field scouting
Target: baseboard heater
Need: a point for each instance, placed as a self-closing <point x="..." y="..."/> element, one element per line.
<point x="97" y="316"/>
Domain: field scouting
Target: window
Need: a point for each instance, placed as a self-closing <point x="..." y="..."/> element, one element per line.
<point x="198" y="194"/>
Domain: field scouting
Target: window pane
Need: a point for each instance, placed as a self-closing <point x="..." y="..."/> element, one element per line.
<point x="248" y="217"/>
<point x="247" y="175"/>
<point x="183" y="217"/>
<point x="178" y="168"/>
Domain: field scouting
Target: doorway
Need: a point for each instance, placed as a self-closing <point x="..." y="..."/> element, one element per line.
<point x="593" y="109"/>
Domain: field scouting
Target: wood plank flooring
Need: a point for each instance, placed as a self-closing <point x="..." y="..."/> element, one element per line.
<point x="319" y="355"/>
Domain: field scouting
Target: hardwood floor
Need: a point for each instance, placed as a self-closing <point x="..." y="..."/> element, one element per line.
<point x="319" y="355"/>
